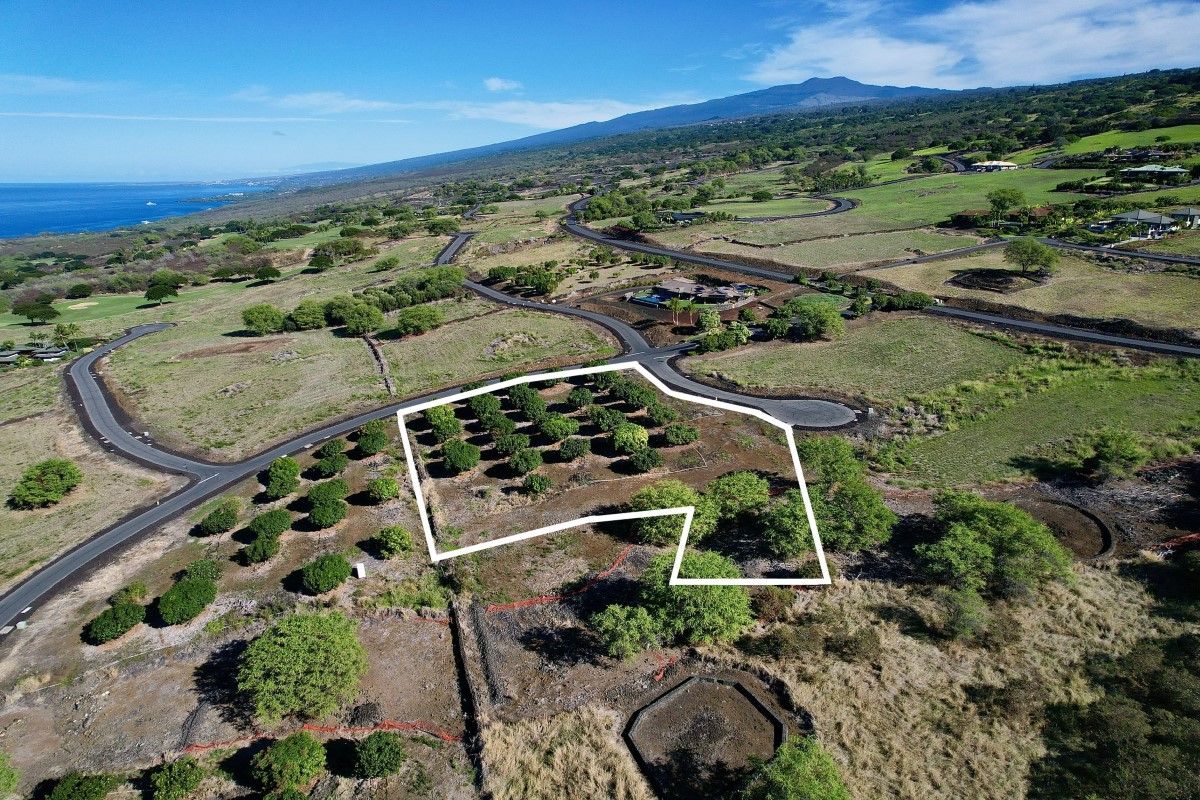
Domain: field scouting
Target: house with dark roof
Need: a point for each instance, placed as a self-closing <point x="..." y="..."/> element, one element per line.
<point x="1154" y="172"/>
<point x="1154" y="224"/>
<point x="1187" y="217"/>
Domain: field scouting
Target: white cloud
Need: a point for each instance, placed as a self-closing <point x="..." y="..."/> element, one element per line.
<point x="501" y="85"/>
<point x="153" y="118"/>
<point x="314" y="102"/>
<point x="986" y="43"/>
<point x="12" y="83"/>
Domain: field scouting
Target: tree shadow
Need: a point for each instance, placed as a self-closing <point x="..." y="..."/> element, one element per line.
<point x="216" y="683"/>
<point x="683" y="775"/>
<point x="340" y="758"/>
<point x="564" y="646"/>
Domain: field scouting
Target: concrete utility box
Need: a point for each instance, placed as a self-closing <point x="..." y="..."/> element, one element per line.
<point x="360" y="570"/>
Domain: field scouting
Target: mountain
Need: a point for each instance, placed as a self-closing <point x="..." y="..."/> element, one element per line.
<point x="813" y="93"/>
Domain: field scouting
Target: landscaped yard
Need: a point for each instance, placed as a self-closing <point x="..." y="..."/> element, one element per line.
<point x="1080" y="288"/>
<point x="851" y="250"/>
<point x="884" y="361"/>
<point x="987" y="449"/>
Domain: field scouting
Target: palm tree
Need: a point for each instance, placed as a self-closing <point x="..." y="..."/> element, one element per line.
<point x="675" y="305"/>
<point x="67" y="332"/>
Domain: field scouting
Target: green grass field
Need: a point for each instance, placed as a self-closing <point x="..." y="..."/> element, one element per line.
<point x="500" y="342"/>
<point x="309" y="240"/>
<point x="1079" y="288"/>
<point x="1124" y="139"/>
<point x="1182" y="244"/>
<point x="885" y="361"/>
<point x="989" y="449"/>
<point x="850" y="250"/>
<point x="769" y="208"/>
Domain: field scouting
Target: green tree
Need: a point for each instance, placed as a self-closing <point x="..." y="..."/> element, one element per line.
<point x="271" y="523"/>
<point x="442" y="226"/>
<point x="606" y="419"/>
<point x="1003" y="199"/>
<point x="818" y="320"/>
<point x="1030" y="254"/>
<point x="525" y="461"/>
<point x="629" y="438"/>
<point x="557" y="427"/>
<point x="694" y="614"/>
<point x="574" y="448"/>
<point x="332" y="447"/>
<point x="663" y="494"/>
<point x="324" y="573"/>
<point x="308" y="316"/>
<point x="418" y="319"/>
<point x="304" y="665"/>
<point x="459" y="456"/>
<point x="392" y="541"/>
<point x="442" y="421"/>
<point x="289" y="762"/>
<point x="645" y="459"/>
<point x="331" y="465"/>
<point x="36" y="312"/>
<point x="626" y="631"/>
<point x="536" y="484"/>
<point x="283" y="477"/>
<point x="786" y="528"/>
<point x="267" y="274"/>
<point x="381" y="490"/>
<point x="379" y="755"/>
<point x="45" y="484"/>
<point x="709" y="320"/>
<point x="510" y="443"/>
<point x="77" y="786"/>
<point x="800" y="770"/>
<point x="158" y="293"/>
<point x="762" y="196"/>
<point x="737" y="493"/>
<point x="177" y="779"/>
<point x="680" y="434"/>
<point x="362" y="318"/>
<point x="184" y="601"/>
<point x="851" y="515"/>
<point x="327" y="514"/>
<point x="221" y="519"/>
<point x="327" y="491"/>
<point x="371" y="443"/>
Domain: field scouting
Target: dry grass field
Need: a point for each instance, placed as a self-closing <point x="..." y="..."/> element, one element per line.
<point x="111" y="487"/>
<point x="517" y="219"/>
<point x="912" y="723"/>
<point x="884" y="360"/>
<point x="1080" y="288"/>
<point x="560" y="248"/>
<point x="29" y="391"/>
<point x="850" y="250"/>
<point x="576" y="754"/>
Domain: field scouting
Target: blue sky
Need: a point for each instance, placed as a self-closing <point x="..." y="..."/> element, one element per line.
<point x="135" y="90"/>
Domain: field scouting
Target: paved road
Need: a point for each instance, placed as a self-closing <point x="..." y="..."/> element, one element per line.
<point x="840" y="204"/>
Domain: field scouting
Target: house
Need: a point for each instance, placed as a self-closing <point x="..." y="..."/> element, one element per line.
<point x="724" y="297"/>
<point x="992" y="166"/>
<point x="1154" y="172"/>
<point x="1154" y="224"/>
<point x="971" y="217"/>
<point x="678" y="217"/>
<point x="1187" y="217"/>
<point x="9" y="356"/>
<point x="49" y="355"/>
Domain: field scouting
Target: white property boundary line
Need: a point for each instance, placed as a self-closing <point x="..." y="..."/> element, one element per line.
<point x="687" y="511"/>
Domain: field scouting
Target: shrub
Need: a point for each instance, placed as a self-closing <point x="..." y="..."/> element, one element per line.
<point x="606" y="419"/>
<point x="772" y="603"/>
<point x="371" y="443"/>
<point x="383" y="489"/>
<point x="331" y="465"/>
<point x="336" y="489"/>
<point x="498" y="424"/>
<point x="418" y="319"/>
<point x="525" y="461"/>
<point x="694" y="614"/>
<point x="262" y="319"/>
<point x="263" y="548"/>
<point x="510" y="443"/>
<point x="324" y="573"/>
<point x="77" y="786"/>
<point x="863" y="646"/>
<point x="444" y="424"/>
<point x="459" y="456"/>
<point x="557" y="427"/>
<point x="708" y="320"/>
<point x="483" y="405"/>
<point x="289" y="762"/>
<point x="661" y="414"/>
<point x="186" y="599"/>
<point x="786" y="528"/>
<point x="664" y="494"/>
<point x="331" y="448"/>
<point x="305" y="664"/>
<point x="327" y="514"/>
<point x="135" y="592"/>
<point x="9" y="776"/>
<point x="221" y="519"/>
<point x="533" y="408"/>
<point x="45" y="483"/>
<point x="852" y="516"/>
<point x="626" y="631"/>
<point x="271" y="524"/>
<point x="738" y="493"/>
<point x="536" y="484"/>
<point x="646" y="459"/>
<point x="177" y="779"/>
<point x="392" y="541"/>
<point x="114" y="622"/>
<point x="283" y="477"/>
<point x="204" y="569"/>
<point x="799" y="770"/>
<point x="629" y="438"/>
<point x="574" y="448"/>
<point x="681" y="434"/>
<point x="379" y="755"/>
<point x="581" y="397"/>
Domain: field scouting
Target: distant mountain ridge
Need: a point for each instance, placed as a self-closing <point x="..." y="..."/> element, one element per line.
<point x="812" y="93"/>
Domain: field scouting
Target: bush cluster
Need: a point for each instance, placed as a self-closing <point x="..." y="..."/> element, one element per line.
<point x="45" y="484"/>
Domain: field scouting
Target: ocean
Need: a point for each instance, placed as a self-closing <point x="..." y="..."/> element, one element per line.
<point x="31" y="208"/>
